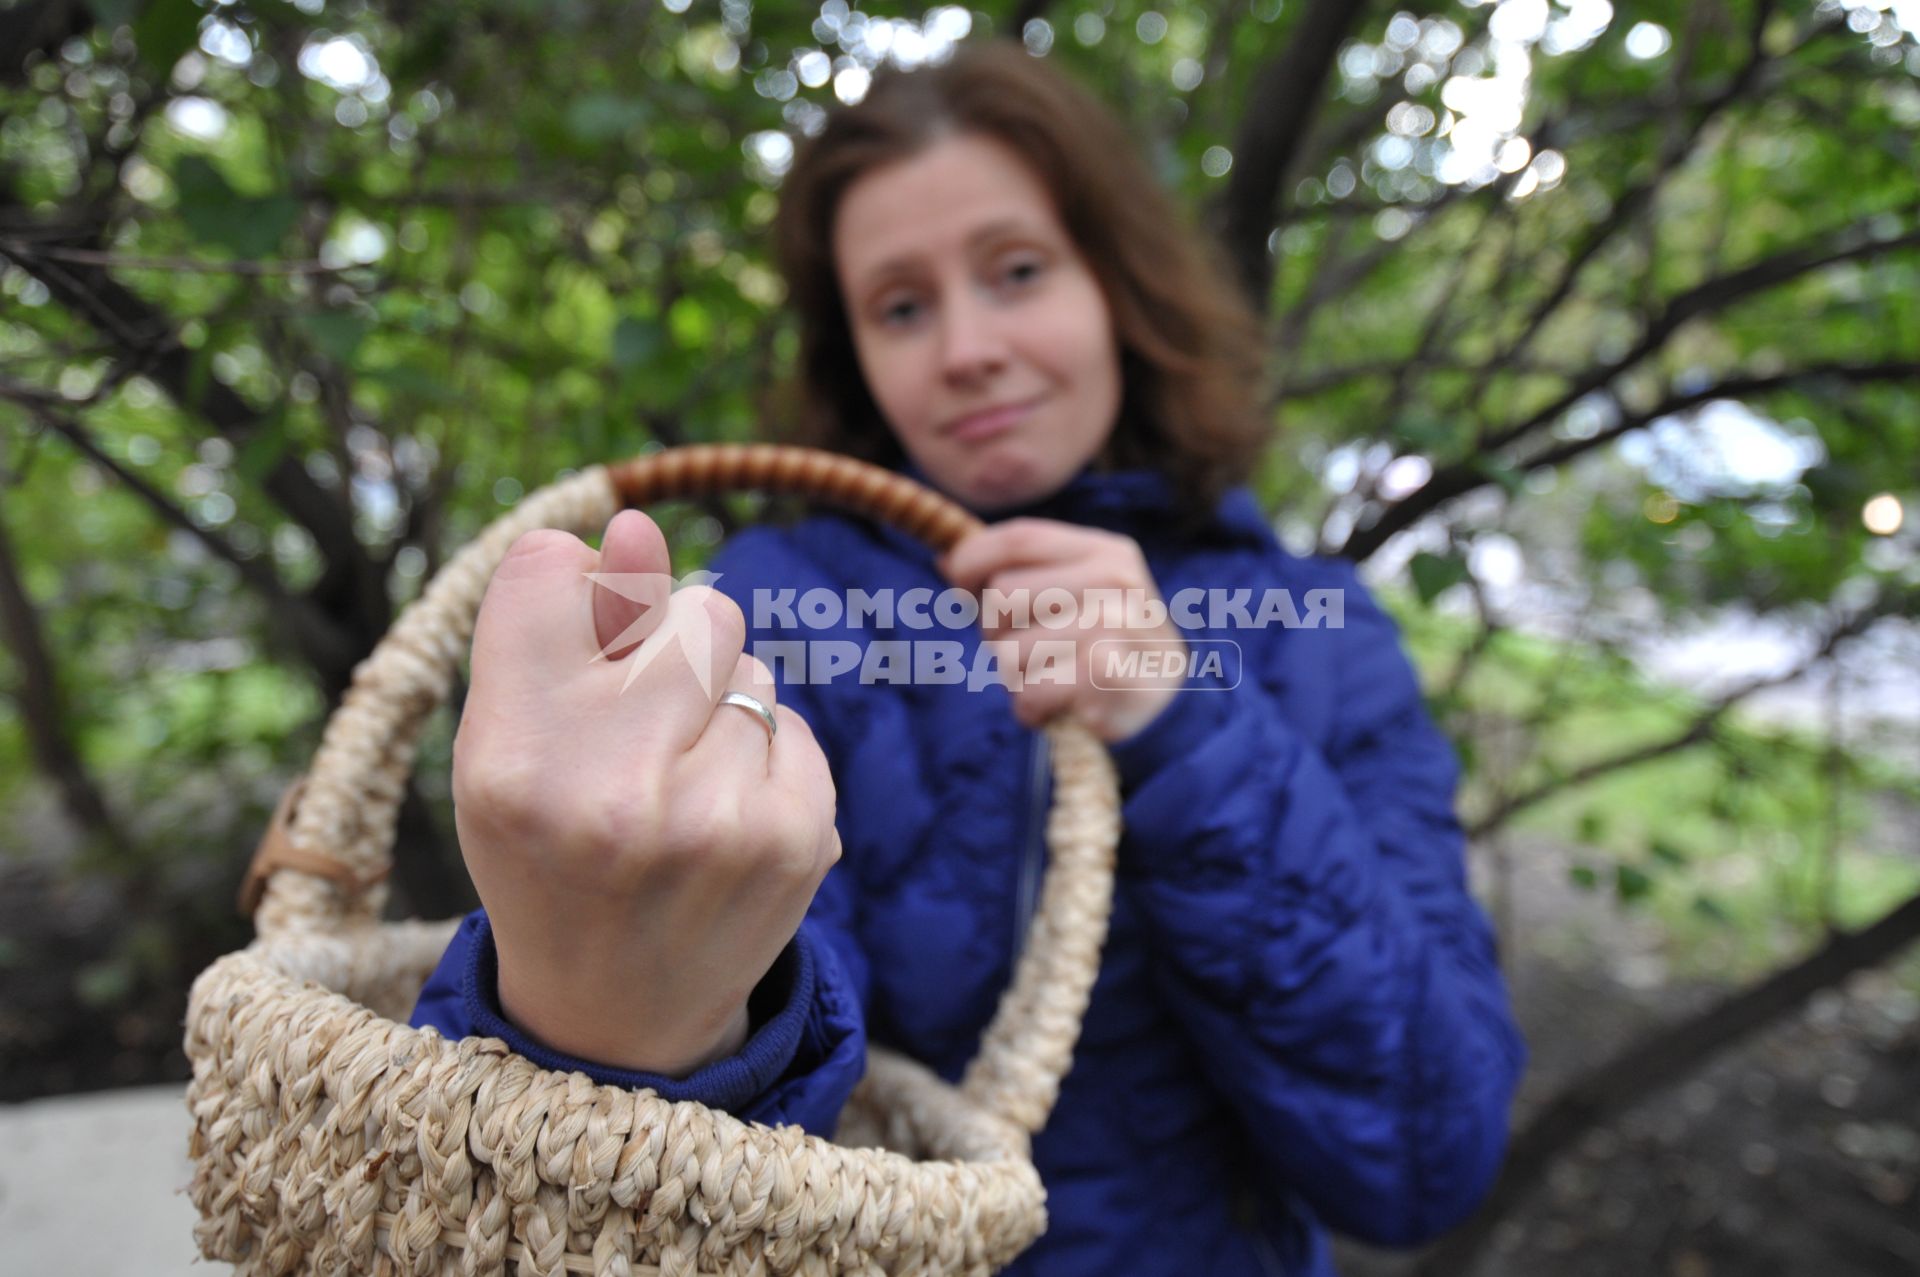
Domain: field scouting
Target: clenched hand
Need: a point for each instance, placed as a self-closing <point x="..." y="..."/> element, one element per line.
<point x="644" y="854"/>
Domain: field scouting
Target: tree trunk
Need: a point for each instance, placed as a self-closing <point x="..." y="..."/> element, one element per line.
<point x="41" y="708"/>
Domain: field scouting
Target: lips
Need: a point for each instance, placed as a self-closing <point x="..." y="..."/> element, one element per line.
<point x="989" y="421"/>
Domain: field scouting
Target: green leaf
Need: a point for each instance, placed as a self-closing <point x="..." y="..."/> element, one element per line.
<point x="200" y="182"/>
<point x="1712" y="910"/>
<point x="636" y="342"/>
<point x="408" y="380"/>
<point x="1666" y="852"/>
<point x="1838" y="485"/>
<point x="1434" y="573"/>
<point x="336" y="333"/>
<point x="246" y="225"/>
<point x="1632" y="883"/>
<point x="1468" y="751"/>
<point x="1584" y="877"/>
<point x="267" y="445"/>
<point x="1593" y="825"/>
<point x="164" y="31"/>
<point x="112" y="13"/>
<point x="1426" y="436"/>
<point x="1512" y="478"/>
<point x="691" y="324"/>
<point x="605" y="117"/>
<point x="199" y="371"/>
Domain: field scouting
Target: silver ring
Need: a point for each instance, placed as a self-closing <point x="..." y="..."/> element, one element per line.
<point x="759" y="707"/>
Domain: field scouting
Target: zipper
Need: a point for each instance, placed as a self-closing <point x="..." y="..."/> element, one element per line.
<point x="1033" y="852"/>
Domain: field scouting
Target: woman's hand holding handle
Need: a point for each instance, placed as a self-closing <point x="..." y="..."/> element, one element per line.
<point x="643" y="851"/>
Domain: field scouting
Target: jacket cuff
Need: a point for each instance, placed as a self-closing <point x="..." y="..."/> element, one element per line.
<point x="462" y="999"/>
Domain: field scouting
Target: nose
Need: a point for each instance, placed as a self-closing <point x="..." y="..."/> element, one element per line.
<point x="971" y="343"/>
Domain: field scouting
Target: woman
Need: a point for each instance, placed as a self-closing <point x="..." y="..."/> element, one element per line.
<point x="1299" y="1021"/>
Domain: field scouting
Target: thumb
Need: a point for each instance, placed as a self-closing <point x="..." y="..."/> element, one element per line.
<point x="632" y="585"/>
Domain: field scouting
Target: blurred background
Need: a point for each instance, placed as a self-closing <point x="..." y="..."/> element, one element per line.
<point x="1595" y="337"/>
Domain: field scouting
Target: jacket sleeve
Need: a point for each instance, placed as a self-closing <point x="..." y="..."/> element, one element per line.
<point x="804" y="1052"/>
<point x="806" y="1045"/>
<point x="1317" y="935"/>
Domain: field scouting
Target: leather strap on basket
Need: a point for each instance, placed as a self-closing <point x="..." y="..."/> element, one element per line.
<point x="276" y="851"/>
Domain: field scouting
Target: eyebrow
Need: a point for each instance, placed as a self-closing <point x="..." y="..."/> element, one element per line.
<point x="993" y="229"/>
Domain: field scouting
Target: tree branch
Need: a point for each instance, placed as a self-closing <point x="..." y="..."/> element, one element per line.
<point x="183" y="265"/>
<point x="146" y="339"/>
<point x="1894" y="603"/>
<point x="1285" y="96"/>
<point x="38" y="27"/>
<point x="1849" y="243"/>
<point x="1460" y="477"/>
<point x="1631" y="203"/>
<point x="42" y="711"/>
<point x="304" y="624"/>
<point x="1734" y="388"/>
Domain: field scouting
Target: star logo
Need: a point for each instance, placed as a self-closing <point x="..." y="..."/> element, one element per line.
<point x="690" y="629"/>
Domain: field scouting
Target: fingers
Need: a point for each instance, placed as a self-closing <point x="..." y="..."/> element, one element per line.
<point x="555" y="610"/>
<point x="678" y="674"/>
<point x="658" y="636"/>
<point x="535" y="625"/>
<point x="737" y="732"/>
<point x="1050" y="601"/>
<point x="801" y="780"/>
<point x="781" y="784"/>
<point x="1016" y="542"/>
<point x="634" y="581"/>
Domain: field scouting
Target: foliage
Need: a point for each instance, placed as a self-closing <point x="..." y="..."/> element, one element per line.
<point x="300" y="295"/>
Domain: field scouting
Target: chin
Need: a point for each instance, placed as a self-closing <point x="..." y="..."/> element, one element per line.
<point x="1002" y="483"/>
<point x="991" y="499"/>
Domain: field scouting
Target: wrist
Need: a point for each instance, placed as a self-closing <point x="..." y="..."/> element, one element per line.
<point x="1129" y="703"/>
<point x="1136" y="709"/>
<point x="610" y="1029"/>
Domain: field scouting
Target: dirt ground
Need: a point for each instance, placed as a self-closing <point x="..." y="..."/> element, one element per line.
<point x="1795" y="1154"/>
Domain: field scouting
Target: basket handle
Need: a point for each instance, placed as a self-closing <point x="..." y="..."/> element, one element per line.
<point x="324" y="858"/>
<point x="322" y="864"/>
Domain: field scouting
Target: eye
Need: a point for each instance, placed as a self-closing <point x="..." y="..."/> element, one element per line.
<point x="1023" y="270"/>
<point x="898" y="312"/>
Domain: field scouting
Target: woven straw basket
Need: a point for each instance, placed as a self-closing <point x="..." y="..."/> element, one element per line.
<point x="330" y="1137"/>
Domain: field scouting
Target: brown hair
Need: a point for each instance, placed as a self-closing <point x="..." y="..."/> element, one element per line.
<point x="1190" y="346"/>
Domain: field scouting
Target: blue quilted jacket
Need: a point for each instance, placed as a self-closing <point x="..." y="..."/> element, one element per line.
<point x="1300" y="1021"/>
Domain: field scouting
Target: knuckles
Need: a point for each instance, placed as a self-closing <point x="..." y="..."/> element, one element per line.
<point x="650" y="821"/>
<point x="542" y="549"/>
<point x="727" y="624"/>
<point x="508" y="791"/>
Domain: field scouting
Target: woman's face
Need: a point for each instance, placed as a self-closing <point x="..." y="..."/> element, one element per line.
<point x="983" y="335"/>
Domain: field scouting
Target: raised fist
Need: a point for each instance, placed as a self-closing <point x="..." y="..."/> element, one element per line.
<point x="643" y="851"/>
